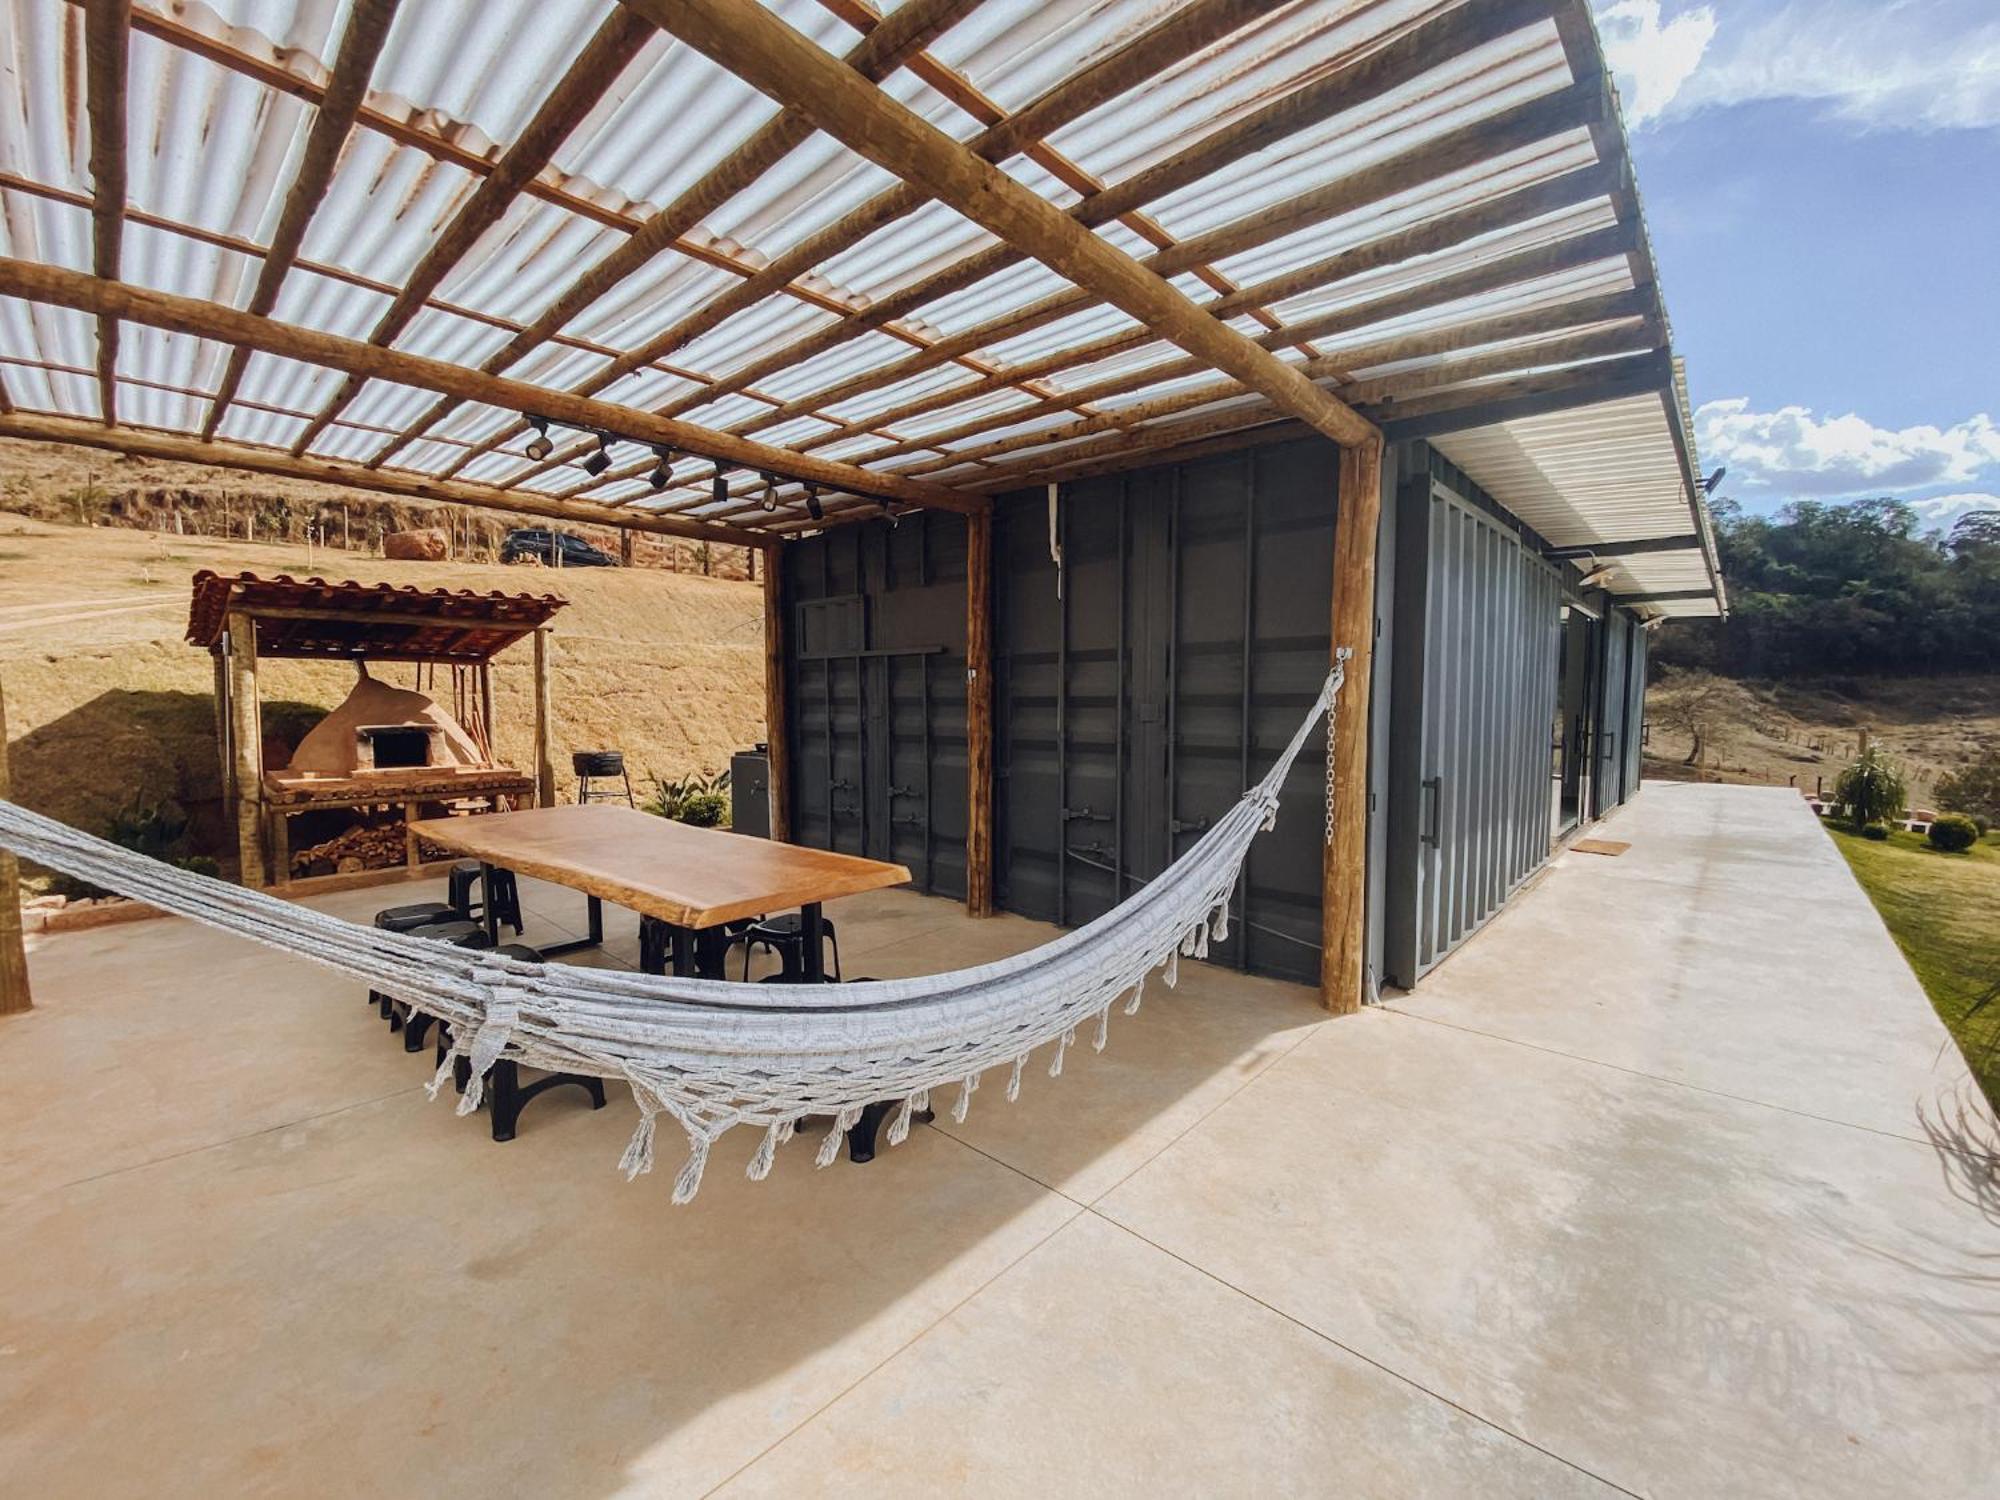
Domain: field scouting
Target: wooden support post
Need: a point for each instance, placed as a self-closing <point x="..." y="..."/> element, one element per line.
<point x="979" y="716"/>
<point x="545" y="765"/>
<point x="777" y="723"/>
<point x="247" y="740"/>
<point x="14" y="996"/>
<point x="1344" y="872"/>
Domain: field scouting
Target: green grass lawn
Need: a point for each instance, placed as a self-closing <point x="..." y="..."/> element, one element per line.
<point x="1944" y="912"/>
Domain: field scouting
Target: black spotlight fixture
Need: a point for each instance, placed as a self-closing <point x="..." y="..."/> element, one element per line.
<point x="539" y="446"/>
<point x="718" y="487"/>
<point x="770" y="491"/>
<point x="599" y="461"/>
<point x="813" y="507"/>
<point x="663" y="468"/>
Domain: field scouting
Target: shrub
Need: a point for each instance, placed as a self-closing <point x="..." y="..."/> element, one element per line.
<point x="1973" y="789"/>
<point x="1879" y="832"/>
<point x="1953" y="833"/>
<point x="1871" y="789"/>
<point x="695" y="798"/>
<point x="704" y="809"/>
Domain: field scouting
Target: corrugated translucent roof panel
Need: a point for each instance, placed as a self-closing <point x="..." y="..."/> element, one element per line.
<point x="1435" y="207"/>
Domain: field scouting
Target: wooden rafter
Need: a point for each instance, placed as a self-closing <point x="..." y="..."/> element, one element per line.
<point x="41" y="283"/>
<point x="229" y="453"/>
<point x="1356" y="82"/>
<point x="616" y="42"/>
<point x="107" y="34"/>
<point x="1515" y="127"/>
<point x="360" y="44"/>
<point x="879" y="53"/>
<point x="770" y="56"/>
<point x="1171" y="41"/>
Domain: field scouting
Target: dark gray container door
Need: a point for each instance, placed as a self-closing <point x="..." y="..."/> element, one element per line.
<point x="1478" y="628"/>
<point x="1190" y="634"/>
<point x="1635" y="708"/>
<point x="877" y="664"/>
<point x="1611" y="733"/>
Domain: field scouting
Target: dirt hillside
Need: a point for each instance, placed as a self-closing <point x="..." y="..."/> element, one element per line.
<point x="108" y="704"/>
<point x="1796" y="732"/>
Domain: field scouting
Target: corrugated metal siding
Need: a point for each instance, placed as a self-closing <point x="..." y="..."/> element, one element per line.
<point x="1608" y="776"/>
<point x="877" y="682"/>
<point x="1474" y="681"/>
<point x="1190" y="634"/>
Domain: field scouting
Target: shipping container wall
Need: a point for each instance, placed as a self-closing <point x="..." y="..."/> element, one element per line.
<point x="1473" y="682"/>
<point x="877" y="683"/>
<point x="1635" y="708"/>
<point x="1144" y="684"/>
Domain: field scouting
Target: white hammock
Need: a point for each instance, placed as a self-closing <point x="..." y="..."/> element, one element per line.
<point x="723" y="1054"/>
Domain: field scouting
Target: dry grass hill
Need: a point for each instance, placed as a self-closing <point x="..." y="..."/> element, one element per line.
<point x="108" y="704"/>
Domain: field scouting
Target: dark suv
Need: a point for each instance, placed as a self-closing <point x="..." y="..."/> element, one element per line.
<point x="541" y="545"/>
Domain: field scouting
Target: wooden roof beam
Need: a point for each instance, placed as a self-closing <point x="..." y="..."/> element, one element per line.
<point x="360" y="45"/>
<point x="595" y="69"/>
<point x="211" y="320"/>
<point x="880" y="52"/>
<point x="1354" y="83"/>
<point x="107" y="34"/>
<point x="1513" y="128"/>
<point x="230" y="454"/>
<point x="1183" y="33"/>
<point x="773" y="58"/>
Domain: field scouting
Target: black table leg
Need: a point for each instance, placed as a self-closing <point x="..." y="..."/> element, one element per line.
<point x="596" y="922"/>
<point x="683" y="949"/>
<point x="489" y="908"/>
<point x="812" y="943"/>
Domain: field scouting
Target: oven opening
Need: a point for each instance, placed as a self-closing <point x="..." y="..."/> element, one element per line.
<point x="394" y="746"/>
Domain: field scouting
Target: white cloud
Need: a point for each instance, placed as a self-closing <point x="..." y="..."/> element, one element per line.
<point x="1793" y="452"/>
<point x="1942" y="512"/>
<point x="1897" y="64"/>
<point x="1652" y="58"/>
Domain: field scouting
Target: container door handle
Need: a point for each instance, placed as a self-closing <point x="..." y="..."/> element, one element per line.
<point x="1434" y="833"/>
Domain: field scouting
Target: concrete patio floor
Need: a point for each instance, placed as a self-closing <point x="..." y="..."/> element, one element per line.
<point x="1639" y="1193"/>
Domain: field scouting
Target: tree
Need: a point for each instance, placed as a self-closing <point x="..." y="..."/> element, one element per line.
<point x="1692" y="702"/>
<point x="1973" y="789"/>
<point x="1871" y="790"/>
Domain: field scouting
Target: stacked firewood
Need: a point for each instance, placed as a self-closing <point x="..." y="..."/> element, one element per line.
<point x="372" y="847"/>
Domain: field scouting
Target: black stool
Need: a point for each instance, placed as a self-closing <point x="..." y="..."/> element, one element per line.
<point x="602" y="765"/>
<point x="785" y="937"/>
<point x="505" y="1093"/>
<point x="458" y="934"/>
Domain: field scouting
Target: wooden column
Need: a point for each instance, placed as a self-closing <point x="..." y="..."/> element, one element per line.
<point x="246" y="735"/>
<point x="14" y="995"/>
<point x="777" y="723"/>
<point x="979" y="715"/>
<point x="545" y="765"/>
<point x="1344" y="872"/>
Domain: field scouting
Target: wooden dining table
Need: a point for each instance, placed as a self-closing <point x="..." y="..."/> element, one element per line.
<point x="689" y="880"/>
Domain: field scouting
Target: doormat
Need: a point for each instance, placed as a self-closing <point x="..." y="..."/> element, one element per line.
<point x="1600" y="846"/>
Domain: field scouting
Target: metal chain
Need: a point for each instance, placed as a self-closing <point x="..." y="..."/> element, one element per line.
<point x="1340" y="657"/>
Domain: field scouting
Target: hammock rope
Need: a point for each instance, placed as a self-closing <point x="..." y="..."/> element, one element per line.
<point x="715" y="1054"/>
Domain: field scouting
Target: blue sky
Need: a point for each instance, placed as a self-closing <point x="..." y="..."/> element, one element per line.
<point x="1822" y="183"/>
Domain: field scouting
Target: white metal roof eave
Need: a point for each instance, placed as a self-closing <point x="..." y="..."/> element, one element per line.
<point x="1605" y="472"/>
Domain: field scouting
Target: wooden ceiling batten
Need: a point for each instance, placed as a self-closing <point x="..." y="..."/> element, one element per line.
<point x="43" y="283"/>
<point x="595" y="69"/>
<point x="1512" y="128"/>
<point x="1163" y="45"/>
<point x="234" y="454"/>
<point x="360" y="45"/>
<point x="106" y="39"/>
<point x="878" y="54"/>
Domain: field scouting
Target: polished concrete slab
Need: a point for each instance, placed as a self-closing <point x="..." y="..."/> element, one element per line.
<point x="1647" y="1191"/>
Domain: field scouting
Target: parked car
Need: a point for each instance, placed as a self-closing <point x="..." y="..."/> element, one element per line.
<point x="542" y="545"/>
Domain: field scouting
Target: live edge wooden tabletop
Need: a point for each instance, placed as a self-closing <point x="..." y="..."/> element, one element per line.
<point x="692" y="877"/>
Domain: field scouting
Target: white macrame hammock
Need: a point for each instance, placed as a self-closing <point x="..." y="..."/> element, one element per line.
<point x="714" y="1054"/>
